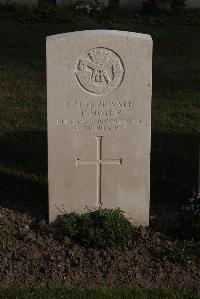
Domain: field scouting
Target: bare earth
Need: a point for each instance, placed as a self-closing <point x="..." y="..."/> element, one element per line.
<point x="41" y="256"/>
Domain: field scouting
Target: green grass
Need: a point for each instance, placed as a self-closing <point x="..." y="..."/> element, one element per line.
<point x="23" y="121"/>
<point x="76" y="293"/>
<point x="185" y="252"/>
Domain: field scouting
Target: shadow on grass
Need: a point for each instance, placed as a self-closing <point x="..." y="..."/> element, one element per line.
<point x="174" y="164"/>
<point x="24" y="196"/>
<point x="174" y="175"/>
<point x="23" y="170"/>
<point x="24" y="150"/>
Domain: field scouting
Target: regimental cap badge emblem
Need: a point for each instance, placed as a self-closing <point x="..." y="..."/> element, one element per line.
<point x="101" y="72"/>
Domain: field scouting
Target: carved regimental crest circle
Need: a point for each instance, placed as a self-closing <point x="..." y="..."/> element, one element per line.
<point x="101" y="72"/>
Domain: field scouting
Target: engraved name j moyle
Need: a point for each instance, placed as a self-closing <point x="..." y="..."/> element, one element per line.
<point x="100" y="73"/>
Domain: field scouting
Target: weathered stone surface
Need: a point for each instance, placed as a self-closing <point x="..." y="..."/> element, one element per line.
<point x="99" y="123"/>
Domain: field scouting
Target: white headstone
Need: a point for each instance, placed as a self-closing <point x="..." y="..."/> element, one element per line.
<point x="99" y="122"/>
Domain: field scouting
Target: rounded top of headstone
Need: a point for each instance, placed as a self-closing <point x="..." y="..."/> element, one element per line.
<point x="84" y="33"/>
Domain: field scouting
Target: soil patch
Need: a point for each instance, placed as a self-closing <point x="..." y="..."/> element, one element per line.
<point x="40" y="256"/>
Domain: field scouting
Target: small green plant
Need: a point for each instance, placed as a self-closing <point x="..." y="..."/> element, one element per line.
<point x="185" y="252"/>
<point x="99" y="228"/>
<point x="5" y="235"/>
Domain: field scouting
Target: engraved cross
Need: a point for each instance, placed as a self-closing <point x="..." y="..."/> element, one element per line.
<point x="99" y="162"/>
